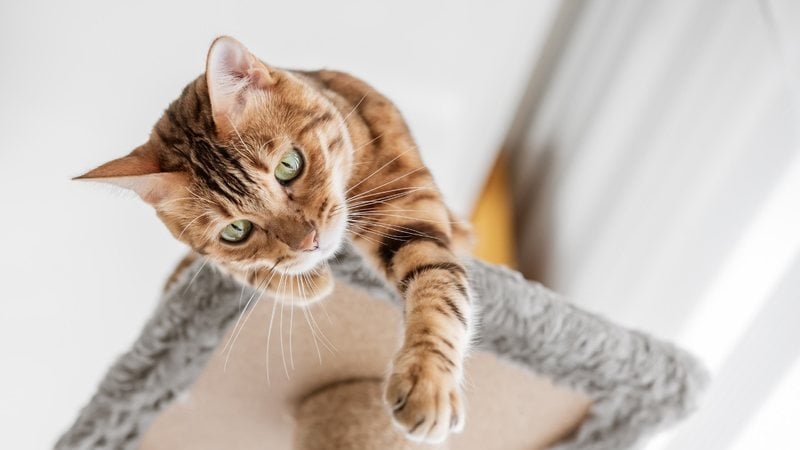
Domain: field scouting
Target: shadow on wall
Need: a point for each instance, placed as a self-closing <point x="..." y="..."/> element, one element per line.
<point x="532" y="170"/>
<point x="534" y="221"/>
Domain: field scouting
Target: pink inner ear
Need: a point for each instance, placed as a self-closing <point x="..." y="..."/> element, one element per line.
<point x="228" y="56"/>
<point x="149" y="187"/>
<point x="230" y="71"/>
<point x="154" y="188"/>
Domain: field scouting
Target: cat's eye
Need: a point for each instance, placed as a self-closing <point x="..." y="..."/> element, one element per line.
<point x="290" y="166"/>
<point x="236" y="231"/>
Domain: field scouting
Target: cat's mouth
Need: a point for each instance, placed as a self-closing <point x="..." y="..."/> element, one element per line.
<point x="308" y="260"/>
<point x="328" y="242"/>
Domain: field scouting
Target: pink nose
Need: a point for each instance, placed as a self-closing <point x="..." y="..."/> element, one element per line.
<point x="310" y="242"/>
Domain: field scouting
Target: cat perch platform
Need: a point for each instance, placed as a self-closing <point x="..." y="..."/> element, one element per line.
<point x="631" y="384"/>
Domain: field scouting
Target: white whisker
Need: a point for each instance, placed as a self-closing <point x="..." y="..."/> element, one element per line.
<point x="380" y="168"/>
<point x="354" y="109"/>
<point x="291" y="325"/>
<point x="193" y="221"/>
<point x="280" y="331"/>
<point x="194" y="277"/>
<point x="269" y="333"/>
<point x="241" y="323"/>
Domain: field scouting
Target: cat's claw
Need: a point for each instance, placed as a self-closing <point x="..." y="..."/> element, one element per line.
<point x="425" y="400"/>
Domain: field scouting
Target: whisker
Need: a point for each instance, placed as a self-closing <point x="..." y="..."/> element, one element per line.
<point x="283" y="353"/>
<point x="233" y="343"/>
<point x="239" y="320"/>
<point x="363" y="203"/>
<point x="362" y="236"/>
<point x="365" y="195"/>
<point x="323" y="338"/>
<point x="368" y="142"/>
<point x="327" y="343"/>
<point x="322" y="304"/>
<point x="269" y="331"/>
<point x="361" y="223"/>
<point x="162" y="204"/>
<point x="392" y="226"/>
<point x="354" y="109"/>
<point x="380" y="168"/>
<point x="396" y="179"/>
<point x="198" y="197"/>
<point x="194" y="277"/>
<point x="239" y="136"/>
<point x="193" y="221"/>
<point x="234" y="333"/>
<point x="379" y="214"/>
<point x="291" y="326"/>
<point x="305" y="314"/>
<point x="241" y="294"/>
<point x="394" y="237"/>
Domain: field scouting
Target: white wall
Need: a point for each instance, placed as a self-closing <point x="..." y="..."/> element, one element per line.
<point x="82" y="82"/>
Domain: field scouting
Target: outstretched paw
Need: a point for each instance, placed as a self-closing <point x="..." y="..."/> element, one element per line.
<point x="424" y="396"/>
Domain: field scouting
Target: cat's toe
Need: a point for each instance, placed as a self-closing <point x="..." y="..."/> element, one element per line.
<point x="425" y="402"/>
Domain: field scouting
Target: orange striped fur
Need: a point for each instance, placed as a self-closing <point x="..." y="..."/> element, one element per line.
<point x="211" y="158"/>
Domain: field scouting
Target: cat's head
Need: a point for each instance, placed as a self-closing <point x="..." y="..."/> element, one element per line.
<point x="248" y="166"/>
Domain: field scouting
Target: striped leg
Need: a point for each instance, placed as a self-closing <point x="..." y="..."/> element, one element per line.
<point x="424" y="387"/>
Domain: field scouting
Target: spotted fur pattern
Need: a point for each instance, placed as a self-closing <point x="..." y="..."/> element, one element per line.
<point x="210" y="160"/>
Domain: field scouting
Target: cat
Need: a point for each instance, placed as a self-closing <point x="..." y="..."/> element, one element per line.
<point x="267" y="171"/>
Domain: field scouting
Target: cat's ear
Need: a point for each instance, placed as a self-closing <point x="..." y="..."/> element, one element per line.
<point x="232" y="74"/>
<point x="140" y="172"/>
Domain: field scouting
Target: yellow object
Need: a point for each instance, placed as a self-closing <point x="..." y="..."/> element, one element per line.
<point x="492" y="218"/>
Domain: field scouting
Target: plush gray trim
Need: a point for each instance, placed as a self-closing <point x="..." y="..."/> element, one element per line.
<point x="637" y="383"/>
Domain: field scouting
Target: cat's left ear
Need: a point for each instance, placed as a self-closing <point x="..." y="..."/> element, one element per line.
<point x="140" y="172"/>
<point x="233" y="76"/>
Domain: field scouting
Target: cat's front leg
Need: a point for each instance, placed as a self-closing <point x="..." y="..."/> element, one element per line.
<point x="424" y="390"/>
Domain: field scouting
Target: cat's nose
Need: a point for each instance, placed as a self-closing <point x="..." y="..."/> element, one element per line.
<point x="310" y="242"/>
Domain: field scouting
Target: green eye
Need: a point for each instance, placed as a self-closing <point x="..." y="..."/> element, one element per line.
<point x="236" y="231"/>
<point x="290" y="166"/>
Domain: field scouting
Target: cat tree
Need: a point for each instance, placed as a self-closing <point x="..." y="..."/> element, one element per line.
<point x="631" y="384"/>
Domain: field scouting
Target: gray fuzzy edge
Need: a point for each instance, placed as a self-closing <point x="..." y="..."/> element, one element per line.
<point x="637" y="384"/>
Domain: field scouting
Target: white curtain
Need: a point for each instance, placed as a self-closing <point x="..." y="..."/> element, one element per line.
<point x="657" y="179"/>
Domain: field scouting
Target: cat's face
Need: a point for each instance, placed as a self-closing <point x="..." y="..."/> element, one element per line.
<point x="279" y="200"/>
<point x="248" y="166"/>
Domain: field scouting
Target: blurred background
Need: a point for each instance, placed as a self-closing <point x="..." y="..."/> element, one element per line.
<point x="641" y="157"/>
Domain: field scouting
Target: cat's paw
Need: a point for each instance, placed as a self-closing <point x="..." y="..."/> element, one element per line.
<point x="424" y="396"/>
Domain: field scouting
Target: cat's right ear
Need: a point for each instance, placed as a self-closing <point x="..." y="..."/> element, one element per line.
<point x="140" y="172"/>
<point x="233" y="74"/>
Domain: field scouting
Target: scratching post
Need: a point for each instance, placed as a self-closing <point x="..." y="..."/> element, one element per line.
<point x="325" y="420"/>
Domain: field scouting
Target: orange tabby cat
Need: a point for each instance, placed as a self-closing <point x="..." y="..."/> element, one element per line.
<point x="267" y="171"/>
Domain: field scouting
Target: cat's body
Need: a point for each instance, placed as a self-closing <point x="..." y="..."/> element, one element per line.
<point x="266" y="171"/>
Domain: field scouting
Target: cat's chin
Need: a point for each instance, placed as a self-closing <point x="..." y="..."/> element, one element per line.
<point x="308" y="261"/>
<point x="305" y="290"/>
<point x="302" y="266"/>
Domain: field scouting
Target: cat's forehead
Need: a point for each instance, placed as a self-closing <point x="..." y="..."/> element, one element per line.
<point x="292" y="109"/>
